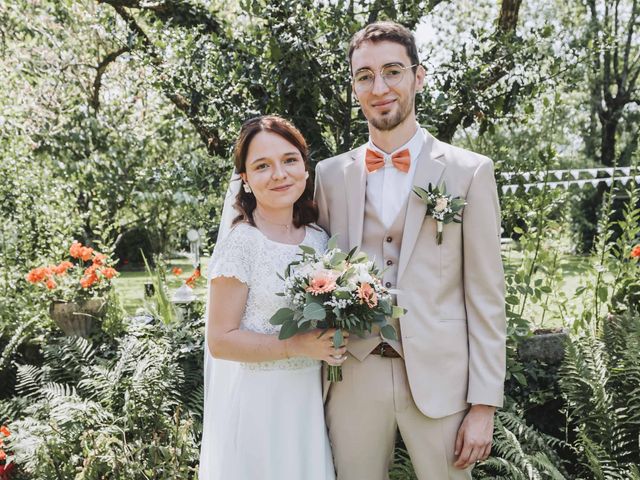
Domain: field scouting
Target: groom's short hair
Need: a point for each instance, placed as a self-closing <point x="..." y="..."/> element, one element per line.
<point x="386" y="32"/>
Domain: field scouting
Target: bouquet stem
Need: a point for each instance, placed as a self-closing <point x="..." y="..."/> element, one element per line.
<point x="334" y="373"/>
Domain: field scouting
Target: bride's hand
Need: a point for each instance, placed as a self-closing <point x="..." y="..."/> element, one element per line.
<point x="318" y="344"/>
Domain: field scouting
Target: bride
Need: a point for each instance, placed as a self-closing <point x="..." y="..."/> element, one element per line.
<point x="264" y="415"/>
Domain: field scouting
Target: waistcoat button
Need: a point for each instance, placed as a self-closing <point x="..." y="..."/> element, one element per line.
<point x="389" y="262"/>
<point x="389" y="239"/>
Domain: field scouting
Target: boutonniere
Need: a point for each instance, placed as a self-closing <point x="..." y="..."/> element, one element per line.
<point x="441" y="206"/>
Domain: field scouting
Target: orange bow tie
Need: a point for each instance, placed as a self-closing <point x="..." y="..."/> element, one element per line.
<point x="375" y="160"/>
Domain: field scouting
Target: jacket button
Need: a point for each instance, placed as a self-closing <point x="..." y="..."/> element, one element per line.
<point x="388" y="284"/>
<point x="389" y="239"/>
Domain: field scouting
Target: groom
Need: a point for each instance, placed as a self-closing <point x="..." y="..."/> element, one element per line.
<point x="442" y="380"/>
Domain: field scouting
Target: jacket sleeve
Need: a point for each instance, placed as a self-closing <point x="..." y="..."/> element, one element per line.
<point x="321" y="200"/>
<point x="484" y="289"/>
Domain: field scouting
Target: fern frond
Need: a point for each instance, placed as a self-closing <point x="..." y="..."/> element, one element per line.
<point x="28" y="381"/>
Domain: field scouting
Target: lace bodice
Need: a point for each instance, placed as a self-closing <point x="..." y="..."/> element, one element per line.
<point x="249" y="256"/>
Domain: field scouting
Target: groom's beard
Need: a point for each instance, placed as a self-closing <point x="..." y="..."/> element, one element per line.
<point x="389" y="122"/>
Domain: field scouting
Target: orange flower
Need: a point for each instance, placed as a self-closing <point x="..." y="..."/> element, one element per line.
<point x="61" y="268"/>
<point x="635" y="252"/>
<point x="86" y="253"/>
<point x="3" y="456"/>
<point x="51" y="284"/>
<point x="367" y="295"/>
<point x="81" y="252"/>
<point x="191" y="281"/>
<point x="108" y="272"/>
<point x="88" y="281"/>
<point x="5" y="431"/>
<point x="76" y="249"/>
<point x="177" y="271"/>
<point x="99" y="258"/>
<point x="38" y="274"/>
<point x="323" y="281"/>
<point x="90" y="277"/>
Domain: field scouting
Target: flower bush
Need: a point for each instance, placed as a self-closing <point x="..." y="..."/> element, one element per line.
<point x="6" y="461"/>
<point x="89" y="277"/>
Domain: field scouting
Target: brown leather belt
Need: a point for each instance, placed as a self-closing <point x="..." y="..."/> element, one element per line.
<point x="385" y="350"/>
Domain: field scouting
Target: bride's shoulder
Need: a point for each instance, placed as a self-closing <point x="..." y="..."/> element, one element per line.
<point x="317" y="234"/>
<point x="239" y="236"/>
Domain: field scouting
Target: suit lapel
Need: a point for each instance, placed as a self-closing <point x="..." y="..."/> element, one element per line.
<point x="429" y="170"/>
<point x="355" y="177"/>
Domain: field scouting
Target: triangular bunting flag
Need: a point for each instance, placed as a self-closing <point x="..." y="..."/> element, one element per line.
<point x="575" y="174"/>
<point x="558" y="174"/>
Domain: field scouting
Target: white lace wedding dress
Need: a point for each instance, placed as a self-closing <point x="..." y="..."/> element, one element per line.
<point x="263" y="421"/>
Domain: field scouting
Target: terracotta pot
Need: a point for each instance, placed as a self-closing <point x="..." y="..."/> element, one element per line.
<point x="78" y="319"/>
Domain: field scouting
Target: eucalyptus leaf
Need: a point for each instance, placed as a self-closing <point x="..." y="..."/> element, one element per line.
<point x="314" y="311"/>
<point x="281" y="316"/>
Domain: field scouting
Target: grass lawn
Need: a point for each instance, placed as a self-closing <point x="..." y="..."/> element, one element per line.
<point x="130" y="287"/>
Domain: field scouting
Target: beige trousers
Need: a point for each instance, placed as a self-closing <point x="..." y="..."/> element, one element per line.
<point x="364" y="411"/>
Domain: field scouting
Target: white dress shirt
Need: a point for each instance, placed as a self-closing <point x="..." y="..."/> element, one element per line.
<point x="388" y="187"/>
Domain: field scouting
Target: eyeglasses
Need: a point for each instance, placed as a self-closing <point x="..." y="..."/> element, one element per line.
<point x="391" y="75"/>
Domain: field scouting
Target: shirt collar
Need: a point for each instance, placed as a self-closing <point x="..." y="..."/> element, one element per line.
<point x="414" y="145"/>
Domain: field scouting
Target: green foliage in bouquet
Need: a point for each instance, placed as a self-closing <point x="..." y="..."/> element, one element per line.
<point x="335" y="289"/>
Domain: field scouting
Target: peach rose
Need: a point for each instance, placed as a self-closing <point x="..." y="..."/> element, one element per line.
<point x="367" y="295"/>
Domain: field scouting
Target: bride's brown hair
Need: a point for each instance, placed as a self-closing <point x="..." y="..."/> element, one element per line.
<point x="305" y="210"/>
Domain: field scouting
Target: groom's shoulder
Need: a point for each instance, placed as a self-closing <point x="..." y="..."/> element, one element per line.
<point x="337" y="161"/>
<point x="462" y="157"/>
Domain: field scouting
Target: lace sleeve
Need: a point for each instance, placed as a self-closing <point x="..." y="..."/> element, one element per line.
<point x="231" y="256"/>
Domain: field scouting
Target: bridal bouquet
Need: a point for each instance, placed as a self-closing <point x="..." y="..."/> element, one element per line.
<point x="335" y="290"/>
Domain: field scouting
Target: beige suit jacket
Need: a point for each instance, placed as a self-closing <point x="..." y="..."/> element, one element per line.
<point x="454" y="332"/>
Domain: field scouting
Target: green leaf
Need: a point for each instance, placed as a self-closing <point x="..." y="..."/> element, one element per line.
<point x="332" y="243"/>
<point x="520" y="378"/>
<point x="397" y="312"/>
<point x="338" y="258"/>
<point x="281" y="316"/>
<point x="314" y="311"/>
<point x="388" y="332"/>
<point x="288" y="330"/>
<point x="308" y="250"/>
<point x="603" y="293"/>
<point x="338" y="339"/>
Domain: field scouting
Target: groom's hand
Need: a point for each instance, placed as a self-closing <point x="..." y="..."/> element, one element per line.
<point x="475" y="435"/>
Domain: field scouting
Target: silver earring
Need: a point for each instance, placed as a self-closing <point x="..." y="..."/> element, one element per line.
<point x="246" y="187"/>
